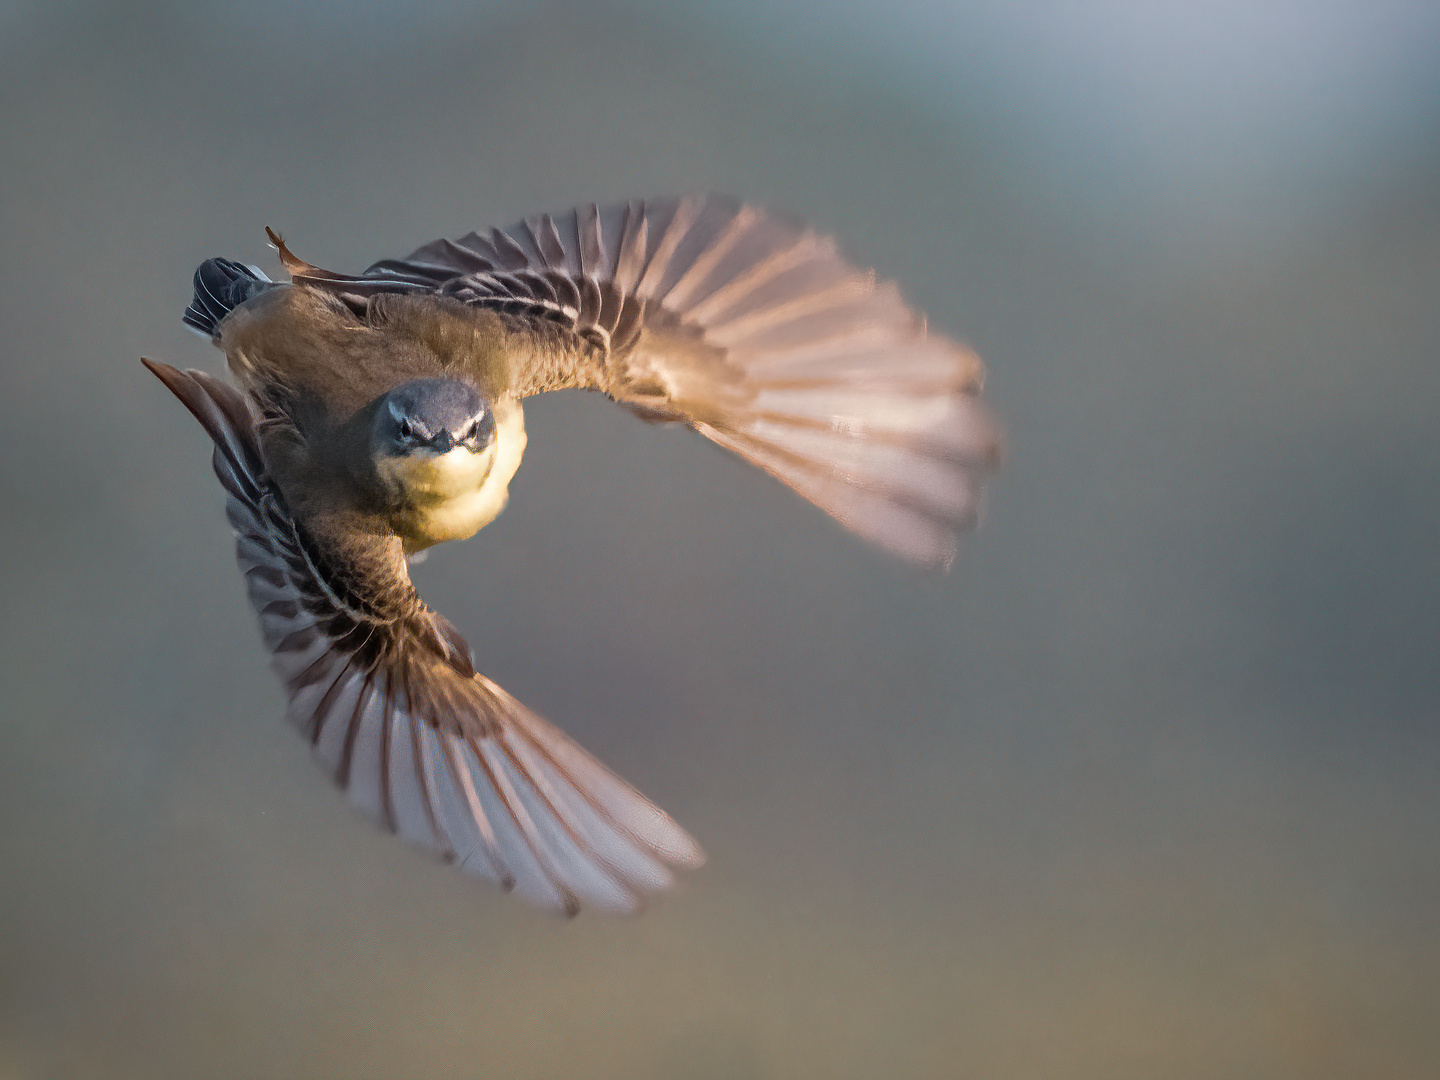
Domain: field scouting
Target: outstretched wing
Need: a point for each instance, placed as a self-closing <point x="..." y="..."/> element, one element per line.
<point x="396" y="712"/>
<point x="753" y="330"/>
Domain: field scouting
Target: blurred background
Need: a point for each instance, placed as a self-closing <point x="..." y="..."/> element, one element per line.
<point x="1146" y="788"/>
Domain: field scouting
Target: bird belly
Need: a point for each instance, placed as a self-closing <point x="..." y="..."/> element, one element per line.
<point x="452" y="496"/>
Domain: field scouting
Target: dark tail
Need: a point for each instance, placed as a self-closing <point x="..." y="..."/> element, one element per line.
<point x="221" y="286"/>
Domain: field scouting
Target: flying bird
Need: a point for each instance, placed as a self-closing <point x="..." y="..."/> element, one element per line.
<point x="379" y="414"/>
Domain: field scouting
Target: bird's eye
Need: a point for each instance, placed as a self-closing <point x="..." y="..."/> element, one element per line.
<point x="406" y="431"/>
<point x="472" y="432"/>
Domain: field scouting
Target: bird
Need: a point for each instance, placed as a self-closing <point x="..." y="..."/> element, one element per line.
<point x="372" y="416"/>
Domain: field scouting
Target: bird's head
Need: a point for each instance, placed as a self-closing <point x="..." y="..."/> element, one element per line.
<point x="432" y="440"/>
<point x="431" y="418"/>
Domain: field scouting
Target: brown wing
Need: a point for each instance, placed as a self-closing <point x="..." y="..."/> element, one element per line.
<point x="396" y="712"/>
<point x="755" y="331"/>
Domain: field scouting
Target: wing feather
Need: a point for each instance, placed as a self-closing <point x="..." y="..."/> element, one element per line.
<point x="755" y="331"/>
<point x="398" y="716"/>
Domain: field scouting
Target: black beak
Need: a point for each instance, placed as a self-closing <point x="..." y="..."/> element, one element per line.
<point x="443" y="443"/>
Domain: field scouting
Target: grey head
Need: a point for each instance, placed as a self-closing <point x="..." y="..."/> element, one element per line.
<point x="431" y="417"/>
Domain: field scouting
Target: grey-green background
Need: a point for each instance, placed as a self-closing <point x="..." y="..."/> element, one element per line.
<point x="1146" y="788"/>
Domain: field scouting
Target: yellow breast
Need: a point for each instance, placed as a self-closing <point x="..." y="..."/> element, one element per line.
<point x="451" y="496"/>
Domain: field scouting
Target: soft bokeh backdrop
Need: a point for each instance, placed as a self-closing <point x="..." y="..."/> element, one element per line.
<point x="1146" y="788"/>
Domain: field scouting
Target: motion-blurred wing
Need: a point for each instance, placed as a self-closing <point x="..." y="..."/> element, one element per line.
<point x="419" y="740"/>
<point x="756" y="332"/>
